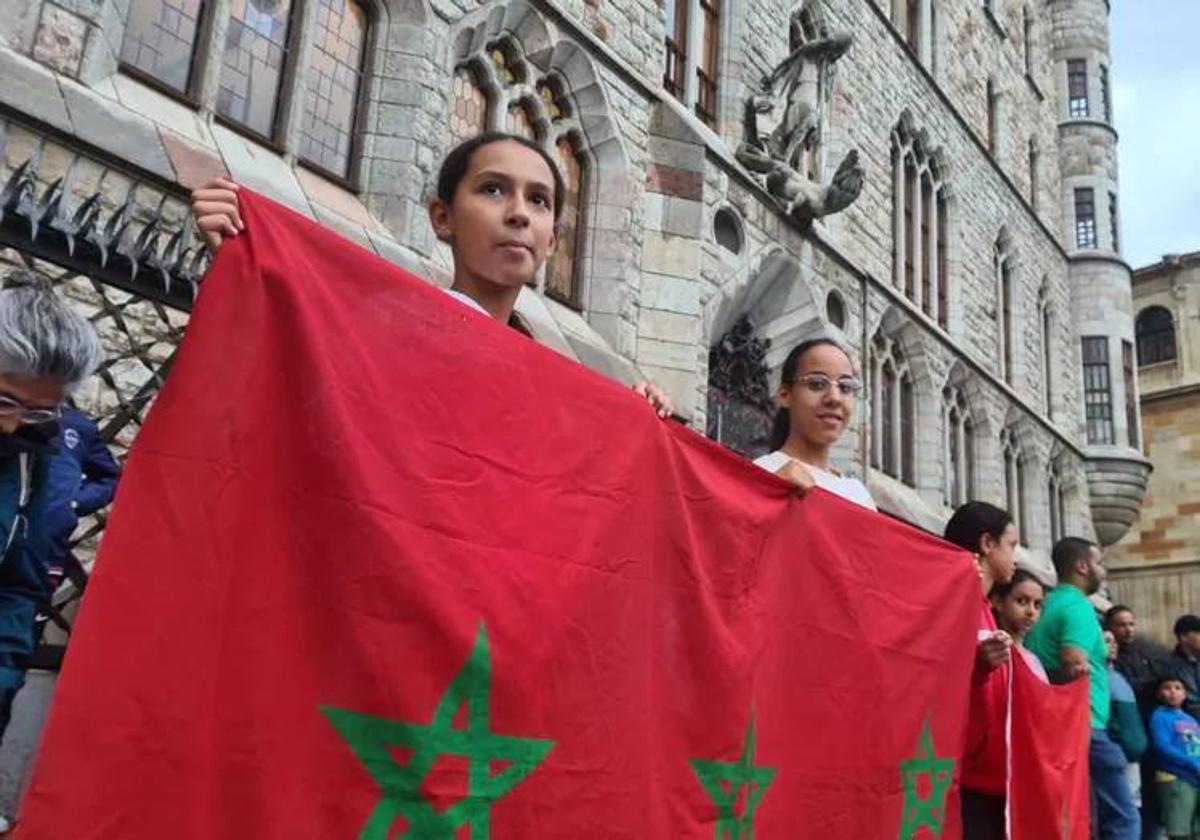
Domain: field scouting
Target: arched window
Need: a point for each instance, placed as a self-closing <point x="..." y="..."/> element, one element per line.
<point x="1002" y="265"/>
<point x="561" y="269"/>
<point x="334" y="76"/>
<point x="160" y="41"/>
<point x="469" y="110"/>
<point x="920" y="225"/>
<point x="1057" y="503"/>
<point x="894" y="411"/>
<point x="1045" y="333"/>
<point x="1014" y="480"/>
<point x="256" y="47"/>
<point x="959" y="436"/>
<point x="993" y="117"/>
<point x="1155" y="336"/>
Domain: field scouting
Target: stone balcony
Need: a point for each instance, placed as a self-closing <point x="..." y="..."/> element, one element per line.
<point x="1117" y="483"/>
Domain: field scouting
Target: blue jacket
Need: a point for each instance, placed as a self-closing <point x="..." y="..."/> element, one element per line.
<point x="80" y="480"/>
<point x="1176" y="738"/>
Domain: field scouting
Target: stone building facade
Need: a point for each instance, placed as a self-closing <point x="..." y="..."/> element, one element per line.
<point x="977" y="279"/>
<point x="1156" y="568"/>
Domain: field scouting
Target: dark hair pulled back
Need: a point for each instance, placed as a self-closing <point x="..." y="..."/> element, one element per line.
<point x="458" y="161"/>
<point x="1002" y="590"/>
<point x="781" y="426"/>
<point x="974" y="519"/>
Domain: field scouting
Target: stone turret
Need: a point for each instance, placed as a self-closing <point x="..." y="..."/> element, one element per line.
<point x="1101" y="298"/>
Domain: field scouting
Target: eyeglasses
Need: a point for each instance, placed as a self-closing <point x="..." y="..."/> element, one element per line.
<point x="28" y="416"/>
<point x="819" y="383"/>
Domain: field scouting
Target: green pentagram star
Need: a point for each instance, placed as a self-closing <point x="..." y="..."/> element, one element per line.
<point x="930" y="812"/>
<point x="724" y="782"/>
<point x="371" y="739"/>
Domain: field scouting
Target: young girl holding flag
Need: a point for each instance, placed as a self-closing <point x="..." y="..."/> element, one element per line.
<point x="499" y="199"/>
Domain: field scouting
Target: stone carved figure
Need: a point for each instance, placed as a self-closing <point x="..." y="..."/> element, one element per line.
<point x="791" y="93"/>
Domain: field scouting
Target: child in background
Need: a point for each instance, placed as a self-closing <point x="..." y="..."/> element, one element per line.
<point x="1017" y="605"/>
<point x="1175" y="736"/>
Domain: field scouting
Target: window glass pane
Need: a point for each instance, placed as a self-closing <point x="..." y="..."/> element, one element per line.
<point x="334" y="74"/>
<point x="1085" y="218"/>
<point x="887" y="400"/>
<point x="520" y="123"/>
<point x="1131" y="405"/>
<point x="160" y="39"/>
<point x="255" y="49"/>
<point x="1077" y="88"/>
<point x="706" y="67"/>
<point x="907" y="428"/>
<point x="560" y="269"/>
<point x="1097" y="391"/>
<point x="468" y="115"/>
<point x="676" y="47"/>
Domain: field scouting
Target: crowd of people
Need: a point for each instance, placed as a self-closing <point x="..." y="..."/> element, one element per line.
<point x="497" y="202"/>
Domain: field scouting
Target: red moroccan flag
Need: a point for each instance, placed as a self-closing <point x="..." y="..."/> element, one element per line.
<point x="1048" y="779"/>
<point x="381" y="567"/>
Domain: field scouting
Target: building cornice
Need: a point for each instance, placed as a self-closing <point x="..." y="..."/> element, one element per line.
<point x="1170" y="393"/>
<point x="1076" y="257"/>
<point x="1090" y="123"/>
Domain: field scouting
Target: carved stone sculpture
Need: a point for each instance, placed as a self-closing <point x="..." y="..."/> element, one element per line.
<point x="798" y="105"/>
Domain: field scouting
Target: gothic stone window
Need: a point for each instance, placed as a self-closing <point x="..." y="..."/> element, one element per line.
<point x="255" y="68"/>
<point x="1155" y="336"/>
<point x="1097" y="390"/>
<point x="959" y="430"/>
<point x="740" y="405"/>
<point x="921" y="224"/>
<point x="1057" y="503"/>
<point x="536" y="106"/>
<point x="1002" y="265"/>
<point x="1044" y="338"/>
<point x="1014" y="480"/>
<point x="893" y="411"/>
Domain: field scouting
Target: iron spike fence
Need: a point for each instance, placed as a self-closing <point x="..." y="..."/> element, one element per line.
<point x="137" y="279"/>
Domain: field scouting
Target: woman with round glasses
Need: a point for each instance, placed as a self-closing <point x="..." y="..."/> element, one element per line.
<point x="817" y="392"/>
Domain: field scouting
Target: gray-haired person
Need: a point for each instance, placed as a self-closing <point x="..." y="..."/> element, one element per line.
<point x="45" y="349"/>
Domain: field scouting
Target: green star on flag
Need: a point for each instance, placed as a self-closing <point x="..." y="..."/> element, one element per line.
<point x="372" y="738"/>
<point x="930" y="811"/>
<point x="724" y="782"/>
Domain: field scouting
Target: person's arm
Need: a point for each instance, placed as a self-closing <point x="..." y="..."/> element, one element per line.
<point x="100" y="473"/>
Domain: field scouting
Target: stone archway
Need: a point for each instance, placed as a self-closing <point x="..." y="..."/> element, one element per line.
<point x="751" y="328"/>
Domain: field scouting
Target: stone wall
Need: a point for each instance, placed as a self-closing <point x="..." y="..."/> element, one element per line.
<point x="658" y="288"/>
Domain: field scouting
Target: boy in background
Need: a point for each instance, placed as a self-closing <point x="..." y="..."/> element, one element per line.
<point x="1175" y="736"/>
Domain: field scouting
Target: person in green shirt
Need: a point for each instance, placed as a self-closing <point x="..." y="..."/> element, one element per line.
<point x="1070" y="644"/>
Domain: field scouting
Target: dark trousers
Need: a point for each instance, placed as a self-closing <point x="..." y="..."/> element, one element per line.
<point x="23" y="587"/>
<point x="1114" y="816"/>
<point x="982" y="816"/>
